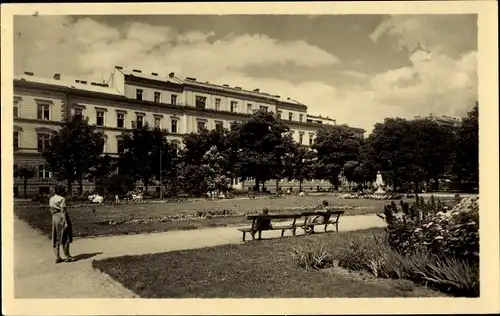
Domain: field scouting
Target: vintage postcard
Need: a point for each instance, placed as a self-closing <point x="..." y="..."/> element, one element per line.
<point x="250" y="158"/>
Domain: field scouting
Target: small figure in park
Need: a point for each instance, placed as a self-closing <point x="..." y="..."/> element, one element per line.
<point x="264" y="223"/>
<point x="62" y="230"/>
<point x="317" y="219"/>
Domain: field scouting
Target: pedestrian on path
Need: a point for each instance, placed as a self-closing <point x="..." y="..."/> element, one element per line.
<point x="62" y="230"/>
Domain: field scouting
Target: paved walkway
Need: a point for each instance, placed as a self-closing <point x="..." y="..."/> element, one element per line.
<point x="36" y="275"/>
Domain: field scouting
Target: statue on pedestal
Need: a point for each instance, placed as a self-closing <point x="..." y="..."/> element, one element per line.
<point x="379" y="184"/>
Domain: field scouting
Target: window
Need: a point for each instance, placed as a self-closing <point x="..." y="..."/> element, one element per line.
<point x="120" y="120"/>
<point x="138" y="94"/>
<point x="301" y="138"/>
<point x="16" y="109"/>
<point x="120" y="146"/>
<point x="290" y="116"/>
<point x="219" y="125"/>
<point x="43" y="112"/>
<point x="157" y="122"/>
<point x="249" y="108"/>
<point x="16" y="140"/>
<point x="301" y="117"/>
<point x="217" y="104"/>
<point x="173" y="99"/>
<point x="201" y="102"/>
<point x="173" y="127"/>
<point x="200" y="126"/>
<point x="140" y="121"/>
<point x="43" y="141"/>
<point x="157" y="97"/>
<point x="43" y="172"/>
<point x="100" y="118"/>
<point x="278" y="113"/>
<point x="311" y="139"/>
<point x="263" y="108"/>
<point x="234" y="106"/>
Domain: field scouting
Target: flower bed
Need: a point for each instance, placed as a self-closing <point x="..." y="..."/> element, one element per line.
<point x="215" y="214"/>
<point x="353" y="196"/>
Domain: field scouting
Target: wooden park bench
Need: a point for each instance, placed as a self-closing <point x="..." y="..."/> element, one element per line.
<point x="325" y="219"/>
<point x="257" y="219"/>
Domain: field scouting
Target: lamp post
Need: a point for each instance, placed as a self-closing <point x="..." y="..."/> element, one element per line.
<point x="161" y="178"/>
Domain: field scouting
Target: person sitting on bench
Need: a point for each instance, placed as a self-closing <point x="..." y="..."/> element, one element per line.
<point x="317" y="219"/>
<point x="264" y="223"/>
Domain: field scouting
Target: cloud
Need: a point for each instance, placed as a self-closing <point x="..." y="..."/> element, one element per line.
<point x="438" y="76"/>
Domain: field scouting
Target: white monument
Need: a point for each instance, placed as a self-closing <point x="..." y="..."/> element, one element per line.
<point x="379" y="183"/>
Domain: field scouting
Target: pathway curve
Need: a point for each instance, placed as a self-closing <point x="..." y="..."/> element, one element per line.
<point x="36" y="275"/>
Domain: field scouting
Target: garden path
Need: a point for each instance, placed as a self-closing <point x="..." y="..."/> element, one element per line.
<point x="36" y="275"/>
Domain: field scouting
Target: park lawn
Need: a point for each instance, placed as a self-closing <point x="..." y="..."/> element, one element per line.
<point x="260" y="269"/>
<point x="87" y="223"/>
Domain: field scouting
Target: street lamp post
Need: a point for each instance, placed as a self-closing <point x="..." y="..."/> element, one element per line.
<point x="161" y="178"/>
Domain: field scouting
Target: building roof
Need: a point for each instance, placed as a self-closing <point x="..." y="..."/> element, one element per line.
<point x="86" y="86"/>
<point x="194" y="82"/>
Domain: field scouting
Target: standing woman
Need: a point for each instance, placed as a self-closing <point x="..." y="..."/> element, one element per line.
<point x="62" y="230"/>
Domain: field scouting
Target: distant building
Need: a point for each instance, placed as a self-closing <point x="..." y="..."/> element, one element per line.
<point x="442" y="119"/>
<point x="134" y="98"/>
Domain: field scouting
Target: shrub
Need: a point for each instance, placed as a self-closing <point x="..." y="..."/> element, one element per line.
<point x="447" y="274"/>
<point x="312" y="257"/>
<point x="431" y="227"/>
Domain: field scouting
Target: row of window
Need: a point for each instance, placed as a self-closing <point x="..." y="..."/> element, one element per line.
<point x="43" y="139"/>
<point x="43" y="110"/>
<point x="201" y="103"/>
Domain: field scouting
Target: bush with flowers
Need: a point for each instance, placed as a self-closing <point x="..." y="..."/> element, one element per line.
<point x="431" y="227"/>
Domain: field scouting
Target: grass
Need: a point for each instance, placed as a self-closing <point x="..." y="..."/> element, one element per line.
<point x="261" y="269"/>
<point x="87" y="223"/>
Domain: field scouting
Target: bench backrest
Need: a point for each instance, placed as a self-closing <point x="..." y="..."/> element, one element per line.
<point x="277" y="216"/>
<point x="323" y="213"/>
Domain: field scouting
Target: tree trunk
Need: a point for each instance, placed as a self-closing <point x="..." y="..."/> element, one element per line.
<point x="80" y="186"/>
<point x="436" y="184"/>
<point x="300" y="185"/>
<point x="415" y="188"/>
<point x="70" y="187"/>
<point x="277" y="185"/>
<point x="25" y="185"/>
<point x="146" y="184"/>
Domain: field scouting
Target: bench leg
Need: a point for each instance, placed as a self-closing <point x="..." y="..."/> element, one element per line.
<point x="337" y="227"/>
<point x="244" y="234"/>
<point x="326" y="225"/>
<point x="253" y="235"/>
<point x="260" y="234"/>
<point x="294" y="231"/>
<point x="282" y="232"/>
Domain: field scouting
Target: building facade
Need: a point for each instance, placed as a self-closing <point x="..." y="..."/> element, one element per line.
<point x="443" y="120"/>
<point x="133" y="98"/>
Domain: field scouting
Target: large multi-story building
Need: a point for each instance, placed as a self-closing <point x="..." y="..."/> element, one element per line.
<point x="132" y="98"/>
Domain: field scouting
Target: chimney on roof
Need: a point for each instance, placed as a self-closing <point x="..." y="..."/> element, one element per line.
<point x="225" y="85"/>
<point x="256" y="90"/>
<point x="238" y="88"/>
<point x="277" y="96"/>
<point x="171" y="75"/>
<point x="136" y="70"/>
<point x="288" y="98"/>
<point x="57" y="76"/>
<point x="83" y="82"/>
<point x="119" y="67"/>
<point x="28" y="73"/>
<point x="190" y="78"/>
<point x="93" y="84"/>
<point x="154" y="74"/>
<point x="77" y="81"/>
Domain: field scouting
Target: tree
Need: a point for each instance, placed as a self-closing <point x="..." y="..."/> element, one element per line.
<point x="147" y="154"/>
<point x="335" y="145"/>
<point x="25" y="172"/>
<point x="466" y="155"/>
<point x="303" y="160"/>
<point x="388" y="150"/>
<point x="261" y="144"/>
<point x="74" y="151"/>
<point x="208" y="160"/>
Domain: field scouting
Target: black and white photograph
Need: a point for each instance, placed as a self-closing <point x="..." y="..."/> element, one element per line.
<point x="248" y="155"/>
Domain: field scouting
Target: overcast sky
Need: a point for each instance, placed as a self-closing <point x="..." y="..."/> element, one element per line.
<point x="358" y="69"/>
